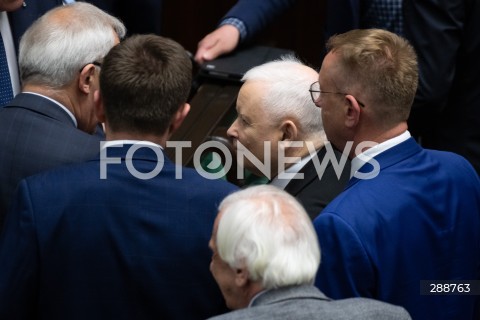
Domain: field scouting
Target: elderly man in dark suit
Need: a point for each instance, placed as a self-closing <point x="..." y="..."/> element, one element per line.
<point x="278" y="124"/>
<point x="265" y="256"/>
<point x="52" y="121"/>
<point x="125" y="235"/>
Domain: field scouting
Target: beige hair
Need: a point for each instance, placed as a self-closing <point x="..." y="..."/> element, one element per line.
<point x="381" y="65"/>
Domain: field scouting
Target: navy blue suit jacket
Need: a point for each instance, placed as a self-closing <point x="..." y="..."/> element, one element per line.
<point x="419" y="219"/>
<point x="35" y="135"/>
<point x="77" y="246"/>
<point x="341" y="16"/>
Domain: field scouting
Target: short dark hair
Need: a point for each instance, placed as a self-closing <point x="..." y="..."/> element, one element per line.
<point x="143" y="81"/>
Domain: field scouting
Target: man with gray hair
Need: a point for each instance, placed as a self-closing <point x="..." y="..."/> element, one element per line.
<point x="52" y="121"/>
<point x="265" y="257"/>
<point x="279" y="134"/>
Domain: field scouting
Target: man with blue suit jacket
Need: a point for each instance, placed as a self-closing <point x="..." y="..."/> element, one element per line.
<point x="408" y="214"/>
<point x="265" y="256"/>
<point x="52" y="121"/>
<point x="125" y="235"/>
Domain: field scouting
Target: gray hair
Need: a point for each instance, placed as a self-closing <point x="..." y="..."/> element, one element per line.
<point x="267" y="231"/>
<point x="287" y="95"/>
<point x="62" y="41"/>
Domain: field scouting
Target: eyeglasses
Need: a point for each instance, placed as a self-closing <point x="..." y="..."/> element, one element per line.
<point x="315" y="93"/>
<point x="95" y="63"/>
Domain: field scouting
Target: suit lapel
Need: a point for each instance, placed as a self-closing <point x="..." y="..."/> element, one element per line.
<point x="295" y="186"/>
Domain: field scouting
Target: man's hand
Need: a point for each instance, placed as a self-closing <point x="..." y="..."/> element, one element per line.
<point x="223" y="40"/>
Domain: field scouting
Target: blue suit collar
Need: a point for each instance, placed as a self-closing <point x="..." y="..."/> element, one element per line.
<point x="389" y="158"/>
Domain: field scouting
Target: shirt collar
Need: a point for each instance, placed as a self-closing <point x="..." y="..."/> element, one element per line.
<point x="107" y="144"/>
<point x="372" y="152"/>
<point x="255" y="297"/>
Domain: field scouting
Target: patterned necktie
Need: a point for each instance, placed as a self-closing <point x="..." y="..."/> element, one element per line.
<point x="6" y="92"/>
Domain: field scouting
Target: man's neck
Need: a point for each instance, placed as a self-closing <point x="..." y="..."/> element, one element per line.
<point x="62" y="96"/>
<point x="362" y="142"/>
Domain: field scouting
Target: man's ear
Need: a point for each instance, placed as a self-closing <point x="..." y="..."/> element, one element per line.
<point x="241" y="277"/>
<point x="85" y="79"/>
<point x="99" y="108"/>
<point x="289" y="131"/>
<point x="353" y="111"/>
<point x="179" y="117"/>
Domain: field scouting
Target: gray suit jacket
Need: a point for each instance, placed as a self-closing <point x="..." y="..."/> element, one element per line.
<point x="307" y="302"/>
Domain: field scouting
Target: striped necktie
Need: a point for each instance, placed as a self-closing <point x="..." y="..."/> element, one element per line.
<point x="6" y="91"/>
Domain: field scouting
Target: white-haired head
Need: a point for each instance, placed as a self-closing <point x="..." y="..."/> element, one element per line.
<point x="268" y="232"/>
<point x="58" y="44"/>
<point x="286" y="83"/>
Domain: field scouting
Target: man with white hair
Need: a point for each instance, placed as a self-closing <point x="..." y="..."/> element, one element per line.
<point x="265" y="257"/>
<point x="278" y="124"/>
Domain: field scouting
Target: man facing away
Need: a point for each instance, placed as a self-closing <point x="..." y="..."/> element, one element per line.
<point x="265" y="256"/>
<point x="123" y="236"/>
<point x="278" y="124"/>
<point x="52" y="121"/>
<point x="408" y="214"/>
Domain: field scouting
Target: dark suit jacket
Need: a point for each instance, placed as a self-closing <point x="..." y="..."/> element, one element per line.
<point x="77" y="246"/>
<point x="23" y="17"/>
<point x="307" y="302"/>
<point x="140" y="16"/>
<point x="36" y="135"/>
<point x="257" y="14"/>
<point x="446" y="110"/>
<point x="418" y="219"/>
<point x="315" y="193"/>
<point x="341" y="16"/>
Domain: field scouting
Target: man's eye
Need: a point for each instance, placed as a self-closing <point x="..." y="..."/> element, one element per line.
<point x="244" y="121"/>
